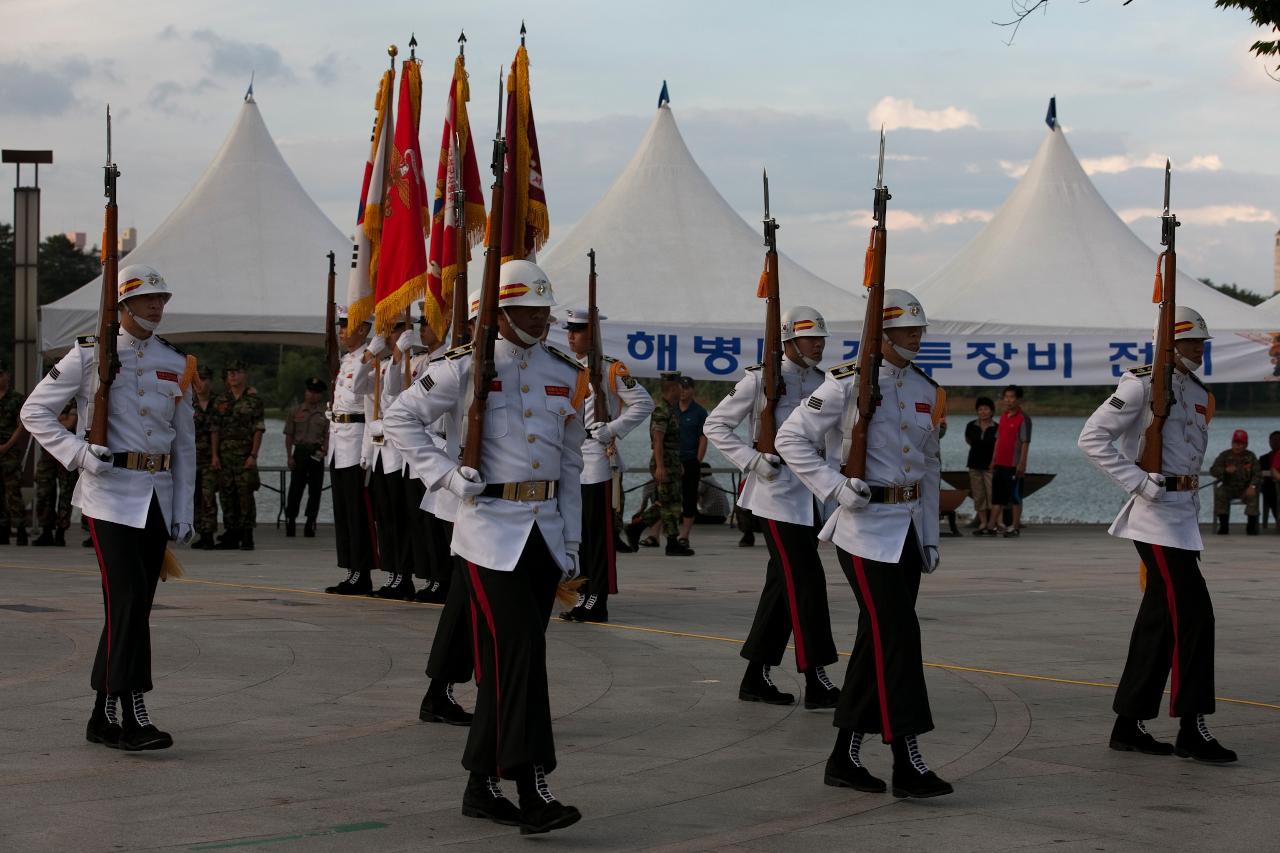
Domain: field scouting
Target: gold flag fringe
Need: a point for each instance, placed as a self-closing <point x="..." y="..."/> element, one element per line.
<point x="567" y="591"/>
<point x="392" y="306"/>
<point x="170" y="568"/>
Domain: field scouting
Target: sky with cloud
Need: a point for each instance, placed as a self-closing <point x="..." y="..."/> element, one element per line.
<point x="802" y="89"/>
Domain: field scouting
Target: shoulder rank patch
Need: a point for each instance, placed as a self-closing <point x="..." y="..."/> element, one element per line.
<point x="459" y="352"/>
<point x="925" y="374"/>
<point x="628" y="380"/>
<point x="1116" y="403"/>
<point x="1145" y="370"/>
<point x="844" y="369"/>
<point x="169" y="345"/>
<point x="427" y="382"/>
<point x="565" y="357"/>
<point x="814" y="402"/>
<point x="54" y="372"/>
<point x="87" y="340"/>
<point x="756" y="366"/>
<point x="608" y="359"/>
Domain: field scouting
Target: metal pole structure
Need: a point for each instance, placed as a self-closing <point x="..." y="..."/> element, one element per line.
<point x="26" y="255"/>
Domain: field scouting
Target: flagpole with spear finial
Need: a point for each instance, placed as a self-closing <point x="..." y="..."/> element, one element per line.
<point x="392" y="52"/>
<point x="458" y="333"/>
<point x="523" y="31"/>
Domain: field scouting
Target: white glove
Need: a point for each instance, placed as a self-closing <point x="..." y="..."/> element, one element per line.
<point x="377" y="346"/>
<point x="853" y="494"/>
<point x="464" y="482"/>
<point x="1151" y="488"/>
<point x="364" y="464"/>
<point x="182" y="533"/>
<point x="766" y="466"/>
<point x="932" y="559"/>
<point x="571" y="557"/>
<point x="94" y="458"/>
<point x="405" y="342"/>
<point x="603" y="433"/>
<point x="375" y="429"/>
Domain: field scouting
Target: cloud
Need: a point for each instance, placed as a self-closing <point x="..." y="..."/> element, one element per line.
<point x="1117" y="163"/>
<point x="241" y="58"/>
<point x="904" y="220"/>
<point x="166" y="96"/>
<point x="1015" y="168"/>
<point x="29" y="91"/>
<point x="1211" y="215"/>
<point x="902" y="113"/>
<point x="326" y="70"/>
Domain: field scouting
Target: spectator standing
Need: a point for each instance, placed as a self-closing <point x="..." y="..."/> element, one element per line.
<point x="980" y="435"/>
<point x="54" y="485"/>
<point x="1239" y="474"/>
<point x="1270" y="465"/>
<point x="306" y="440"/>
<point x="1009" y="461"/>
<point x="693" y="446"/>
<point x="206" y="501"/>
<point x="237" y="434"/>
<point x="664" y="436"/>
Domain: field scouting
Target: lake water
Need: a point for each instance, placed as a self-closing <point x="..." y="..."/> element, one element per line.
<point x="1079" y="492"/>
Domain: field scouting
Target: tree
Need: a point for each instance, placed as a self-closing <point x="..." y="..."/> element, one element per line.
<point x="1245" y="295"/>
<point x="61" y="269"/>
<point x="1264" y="14"/>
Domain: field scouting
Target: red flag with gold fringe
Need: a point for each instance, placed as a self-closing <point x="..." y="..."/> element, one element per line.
<point x="442" y="260"/>
<point x="402" y="265"/>
<point x="525" y="223"/>
<point x="368" y="236"/>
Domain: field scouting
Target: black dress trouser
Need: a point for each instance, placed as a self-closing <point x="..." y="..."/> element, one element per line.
<point x="452" y="648"/>
<point x="1173" y="632"/>
<point x="352" y="519"/>
<point x="884" y="689"/>
<point x="793" y="601"/>
<point x="597" y="556"/>
<point x="418" y="531"/>
<point x="395" y="549"/>
<point x="129" y="560"/>
<point x="511" y="729"/>
<point x="308" y="475"/>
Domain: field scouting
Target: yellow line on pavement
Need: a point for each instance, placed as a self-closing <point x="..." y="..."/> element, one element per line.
<point x="617" y="626"/>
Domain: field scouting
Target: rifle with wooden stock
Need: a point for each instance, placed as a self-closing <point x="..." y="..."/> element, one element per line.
<point x="1152" y="448"/>
<point x="595" y="353"/>
<point x="483" y="368"/>
<point x="332" y="350"/>
<point x="458" y="323"/>
<point x="109" y="308"/>
<point x="767" y="425"/>
<point x="869" y="349"/>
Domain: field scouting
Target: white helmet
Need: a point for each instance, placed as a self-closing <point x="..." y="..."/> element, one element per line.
<point x="473" y="304"/>
<point x="579" y="318"/>
<point x="524" y="284"/>
<point x="140" y="280"/>
<point x="902" y="310"/>
<point x="801" y="321"/>
<point x="1189" y="325"/>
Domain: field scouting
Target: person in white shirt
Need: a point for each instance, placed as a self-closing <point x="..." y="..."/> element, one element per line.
<point x="794" y="598"/>
<point x="518" y="528"/>
<point x="1174" y="628"/>
<point x="885" y="530"/>
<point x="391" y="512"/>
<point x="138" y="491"/>
<point x="352" y="518"/>
<point x="626" y="406"/>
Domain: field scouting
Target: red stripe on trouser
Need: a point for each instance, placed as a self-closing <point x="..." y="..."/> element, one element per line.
<point x="373" y="531"/>
<point x="802" y="659"/>
<point x="610" y="555"/>
<point x="106" y="594"/>
<point x="876" y="646"/>
<point x="1172" y="599"/>
<point x="483" y="599"/>
<point x="475" y="640"/>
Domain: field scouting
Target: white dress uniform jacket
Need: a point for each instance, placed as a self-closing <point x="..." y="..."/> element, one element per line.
<point x="150" y="413"/>
<point x="533" y="430"/>
<point x="902" y="448"/>
<point x="389" y="384"/>
<point x="1111" y="439"/>
<point x="355" y="380"/>
<point x="619" y="389"/>
<point x="420" y="357"/>
<point x="787" y="498"/>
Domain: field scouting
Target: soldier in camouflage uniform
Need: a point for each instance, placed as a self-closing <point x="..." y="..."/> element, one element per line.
<point x="664" y="430"/>
<point x="238" y="426"/>
<point x="206" y="478"/>
<point x="11" y="447"/>
<point x="1239" y="475"/>
<point x="54" y="485"/>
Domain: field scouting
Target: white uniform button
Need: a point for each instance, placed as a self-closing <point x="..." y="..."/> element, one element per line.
<point x="142" y="412"/>
<point x="904" y="427"/>
<point x="524" y="389"/>
<point x="537" y="464"/>
<point x="141" y="392"/>
<point x="901" y="405"/>
<point x="906" y="449"/>
<point x="528" y="413"/>
<point x="523" y="365"/>
<point x="531" y="439"/>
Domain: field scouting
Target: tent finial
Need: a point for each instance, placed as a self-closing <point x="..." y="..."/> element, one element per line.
<point x="663" y="97"/>
<point x="248" y="96"/>
<point x="1051" y="117"/>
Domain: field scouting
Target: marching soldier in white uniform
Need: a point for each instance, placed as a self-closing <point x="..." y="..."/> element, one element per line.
<point x="391" y="513"/>
<point x="627" y="405"/>
<point x="886" y="533"/>
<point x="794" y="598"/>
<point x="431" y="562"/>
<point x="518" y="529"/>
<point x="352" y="518"/>
<point x="137" y="492"/>
<point x="1174" y="628"/>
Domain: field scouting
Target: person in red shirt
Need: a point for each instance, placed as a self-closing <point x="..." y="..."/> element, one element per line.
<point x="1009" y="462"/>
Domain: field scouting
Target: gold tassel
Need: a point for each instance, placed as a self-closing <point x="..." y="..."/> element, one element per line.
<point x="170" y="568"/>
<point x="567" y="591"/>
<point x="1157" y="295"/>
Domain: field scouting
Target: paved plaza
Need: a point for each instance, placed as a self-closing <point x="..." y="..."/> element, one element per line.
<point x="295" y="713"/>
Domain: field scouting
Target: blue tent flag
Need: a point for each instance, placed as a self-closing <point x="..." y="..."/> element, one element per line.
<point x="663" y="97"/>
<point x="1051" y="117"/>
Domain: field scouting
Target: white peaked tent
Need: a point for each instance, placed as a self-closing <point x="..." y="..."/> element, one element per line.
<point x="244" y="254"/>
<point x="1056" y="268"/>
<point x="678" y="267"/>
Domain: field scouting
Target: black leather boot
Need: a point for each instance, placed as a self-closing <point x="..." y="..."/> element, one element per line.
<point x="1194" y="741"/>
<point x="398" y="588"/>
<point x="757" y="686"/>
<point x="104" y="722"/>
<point x="309" y="529"/>
<point x="819" y="692"/>
<point x="290" y="527"/>
<point x="356" y="583"/>
<point x="137" y="732"/>
<point x="246" y="539"/>
<point x="22" y="536"/>
<point x="1129" y="735"/>
<point x="540" y="811"/>
<point x="45" y="538"/>
<point x="229" y="542"/>
<point x="844" y="766"/>
<point x="484" y="799"/>
<point x="205" y="542"/>
<point x="633" y="531"/>
<point x="678" y="548"/>
<point x="1223" y="526"/>
<point x="439" y="706"/>
<point x="60" y="538"/>
<point x="911" y="776"/>
<point x="1251" y="525"/>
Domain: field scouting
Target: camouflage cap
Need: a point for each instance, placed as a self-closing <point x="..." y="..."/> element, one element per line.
<point x="670" y="376"/>
<point x="237" y="364"/>
<point x="316" y="385"/>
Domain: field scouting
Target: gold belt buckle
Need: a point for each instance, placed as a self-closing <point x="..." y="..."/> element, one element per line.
<point x="909" y="492"/>
<point x="531" y="491"/>
<point x="149" y="461"/>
